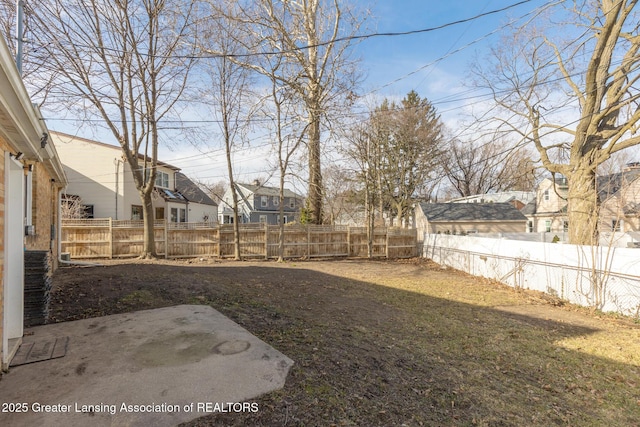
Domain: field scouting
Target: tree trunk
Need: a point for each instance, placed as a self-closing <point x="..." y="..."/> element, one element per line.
<point x="281" y="225"/>
<point x="583" y="206"/>
<point x="369" y="215"/>
<point x="236" y="226"/>
<point x="148" y="217"/>
<point x="315" y="173"/>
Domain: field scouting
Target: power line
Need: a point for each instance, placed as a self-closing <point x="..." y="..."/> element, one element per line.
<point x="330" y="42"/>
<point x="460" y="49"/>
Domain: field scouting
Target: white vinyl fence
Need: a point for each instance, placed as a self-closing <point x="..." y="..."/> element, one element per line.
<point x="605" y="278"/>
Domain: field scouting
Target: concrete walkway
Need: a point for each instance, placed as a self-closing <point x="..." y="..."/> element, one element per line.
<point x="148" y="368"/>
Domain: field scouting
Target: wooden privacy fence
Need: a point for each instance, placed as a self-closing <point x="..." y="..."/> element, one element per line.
<point x="107" y="238"/>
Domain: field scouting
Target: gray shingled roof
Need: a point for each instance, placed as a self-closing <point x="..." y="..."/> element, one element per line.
<point x="451" y="212"/>
<point x="261" y="190"/>
<point x="191" y="191"/>
<point x="529" y="208"/>
<point x="610" y="184"/>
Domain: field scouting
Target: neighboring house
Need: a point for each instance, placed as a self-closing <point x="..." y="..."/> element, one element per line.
<point x="619" y="196"/>
<point x="547" y="213"/>
<point x="31" y="179"/>
<point x="201" y="207"/>
<point x="258" y="203"/>
<point x="102" y="180"/>
<point x="464" y="218"/>
<point x="517" y="198"/>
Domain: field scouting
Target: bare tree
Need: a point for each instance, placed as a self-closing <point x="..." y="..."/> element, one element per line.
<point x="341" y="194"/>
<point x="592" y="76"/>
<point x="311" y="37"/>
<point x="215" y="190"/>
<point x="229" y="94"/>
<point x="71" y="207"/>
<point x="36" y="82"/>
<point x="281" y="109"/>
<point x="126" y="62"/>
<point x="489" y="167"/>
<point x="363" y="153"/>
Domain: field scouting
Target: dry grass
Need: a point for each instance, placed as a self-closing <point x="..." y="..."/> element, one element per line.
<point x="398" y="343"/>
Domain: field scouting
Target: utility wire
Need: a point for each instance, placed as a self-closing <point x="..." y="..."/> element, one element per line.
<point x="330" y="42"/>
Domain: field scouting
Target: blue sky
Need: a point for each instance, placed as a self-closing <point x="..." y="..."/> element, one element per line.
<point x="392" y="67"/>
<point x="387" y="59"/>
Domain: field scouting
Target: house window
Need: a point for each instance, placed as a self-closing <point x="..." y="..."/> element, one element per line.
<point x="292" y="203"/>
<point x="136" y="212"/>
<point x="276" y="201"/>
<point x="162" y="179"/>
<point x="159" y="213"/>
<point x="264" y="201"/>
<point x="87" y="211"/>
<point x="263" y="219"/>
<point x="546" y="194"/>
<point x="616" y="225"/>
<point x="178" y="215"/>
<point x="547" y="226"/>
<point x="565" y="226"/>
<point x="530" y="227"/>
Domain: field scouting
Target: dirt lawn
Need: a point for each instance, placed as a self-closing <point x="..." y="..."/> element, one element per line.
<point x="391" y="343"/>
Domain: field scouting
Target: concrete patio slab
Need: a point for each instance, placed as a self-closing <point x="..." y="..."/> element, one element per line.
<point x="148" y="368"/>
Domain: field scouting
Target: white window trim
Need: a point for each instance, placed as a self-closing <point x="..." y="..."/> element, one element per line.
<point x="159" y="177"/>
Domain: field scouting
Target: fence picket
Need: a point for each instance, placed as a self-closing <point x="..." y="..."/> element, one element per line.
<point x="106" y="238"/>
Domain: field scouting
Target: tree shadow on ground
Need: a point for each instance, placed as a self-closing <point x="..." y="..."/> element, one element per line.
<point x="367" y="354"/>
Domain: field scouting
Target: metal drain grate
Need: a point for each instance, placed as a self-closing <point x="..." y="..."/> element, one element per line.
<point x="38" y="351"/>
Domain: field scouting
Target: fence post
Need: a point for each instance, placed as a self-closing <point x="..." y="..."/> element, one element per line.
<point x="308" y="241"/>
<point x="166" y="239"/>
<point x="386" y="243"/>
<point x="110" y="238"/>
<point x="266" y="241"/>
<point x="348" y="241"/>
<point x="219" y="232"/>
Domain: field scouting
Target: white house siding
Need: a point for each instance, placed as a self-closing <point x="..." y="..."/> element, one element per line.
<point x="556" y="224"/>
<point x="202" y="213"/>
<point x="613" y="209"/>
<point x="555" y="203"/>
<point x="131" y="196"/>
<point x="95" y="173"/>
<point x="98" y="174"/>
